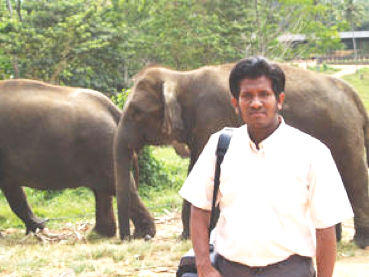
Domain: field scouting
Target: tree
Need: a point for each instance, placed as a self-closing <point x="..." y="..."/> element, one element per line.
<point x="65" y="42"/>
<point x="353" y="12"/>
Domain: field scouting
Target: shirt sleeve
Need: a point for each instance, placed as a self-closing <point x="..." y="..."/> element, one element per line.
<point x="199" y="185"/>
<point x="329" y="204"/>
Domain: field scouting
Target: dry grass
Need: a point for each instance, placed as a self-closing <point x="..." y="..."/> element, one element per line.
<point x="66" y="252"/>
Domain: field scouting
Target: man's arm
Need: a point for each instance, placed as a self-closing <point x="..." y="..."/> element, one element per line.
<point x="200" y="240"/>
<point x="325" y="251"/>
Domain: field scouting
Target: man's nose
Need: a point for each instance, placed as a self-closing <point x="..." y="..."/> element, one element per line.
<point x="256" y="102"/>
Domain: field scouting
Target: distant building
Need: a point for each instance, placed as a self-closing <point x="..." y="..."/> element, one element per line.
<point x="362" y="39"/>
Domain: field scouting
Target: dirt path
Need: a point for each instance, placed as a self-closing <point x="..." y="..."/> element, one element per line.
<point x="346" y="69"/>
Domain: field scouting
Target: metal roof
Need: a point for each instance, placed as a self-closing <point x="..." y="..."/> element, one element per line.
<point x="357" y="34"/>
<point x="343" y="35"/>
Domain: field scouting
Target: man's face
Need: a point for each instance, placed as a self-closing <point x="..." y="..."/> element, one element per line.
<point x="258" y="104"/>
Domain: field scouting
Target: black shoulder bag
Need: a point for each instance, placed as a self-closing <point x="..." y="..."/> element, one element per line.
<point x="187" y="264"/>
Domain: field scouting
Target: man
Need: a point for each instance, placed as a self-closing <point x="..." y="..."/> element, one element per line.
<point x="280" y="192"/>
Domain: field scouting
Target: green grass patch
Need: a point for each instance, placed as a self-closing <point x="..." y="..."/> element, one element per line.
<point x="324" y="68"/>
<point x="360" y="81"/>
<point x="67" y="205"/>
<point x="164" y="193"/>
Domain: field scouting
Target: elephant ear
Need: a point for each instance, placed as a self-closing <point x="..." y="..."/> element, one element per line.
<point x="172" y="109"/>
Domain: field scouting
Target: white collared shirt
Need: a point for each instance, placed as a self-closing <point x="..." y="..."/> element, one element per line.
<point x="271" y="199"/>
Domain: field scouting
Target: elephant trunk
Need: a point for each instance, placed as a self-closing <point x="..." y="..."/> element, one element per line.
<point x="122" y="159"/>
<point x="129" y="203"/>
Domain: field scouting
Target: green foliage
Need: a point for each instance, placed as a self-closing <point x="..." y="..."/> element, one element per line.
<point x="101" y="44"/>
<point x="152" y="171"/>
<point x="65" y="42"/>
<point x="120" y="98"/>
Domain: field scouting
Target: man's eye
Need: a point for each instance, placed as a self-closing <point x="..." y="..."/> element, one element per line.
<point x="264" y="94"/>
<point x="246" y="96"/>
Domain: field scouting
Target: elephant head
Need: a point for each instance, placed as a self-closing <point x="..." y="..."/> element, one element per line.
<point x="151" y="115"/>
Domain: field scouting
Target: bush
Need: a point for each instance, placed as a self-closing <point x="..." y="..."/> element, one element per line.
<point x="152" y="171"/>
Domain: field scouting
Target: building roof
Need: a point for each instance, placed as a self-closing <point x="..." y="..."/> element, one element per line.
<point x="301" y="38"/>
<point x="357" y="34"/>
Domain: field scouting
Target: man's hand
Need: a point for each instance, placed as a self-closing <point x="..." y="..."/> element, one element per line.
<point x="208" y="271"/>
<point x="325" y="251"/>
<point x="200" y="240"/>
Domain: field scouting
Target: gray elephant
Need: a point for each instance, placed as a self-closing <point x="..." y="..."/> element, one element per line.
<point x="167" y="105"/>
<point x="55" y="137"/>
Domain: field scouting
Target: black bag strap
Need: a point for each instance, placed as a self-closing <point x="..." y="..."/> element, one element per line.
<point x="223" y="143"/>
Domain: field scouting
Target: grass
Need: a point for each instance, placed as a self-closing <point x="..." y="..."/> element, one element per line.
<point x="71" y="205"/>
<point x="360" y="81"/>
<point x="324" y="68"/>
<point x="108" y="257"/>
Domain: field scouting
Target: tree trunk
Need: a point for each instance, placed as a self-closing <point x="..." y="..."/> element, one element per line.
<point x="19" y="3"/>
<point x="354" y="42"/>
<point x="15" y="68"/>
<point x="9" y="7"/>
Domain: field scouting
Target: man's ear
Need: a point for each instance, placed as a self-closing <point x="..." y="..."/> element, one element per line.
<point x="234" y="102"/>
<point x="280" y="100"/>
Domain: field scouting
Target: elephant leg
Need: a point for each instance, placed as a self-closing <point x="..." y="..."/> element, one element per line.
<point x="360" y="204"/>
<point x="142" y="220"/>
<point x="186" y="213"/>
<point x="354" y="174"/>
<point x="338" y="232"/>
<point x="18" y="203"/>
<point x="186" y="206"/>
<point x="105" y="221"/>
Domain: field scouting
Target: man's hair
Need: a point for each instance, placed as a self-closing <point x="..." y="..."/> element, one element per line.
<point x="253" y="68"/>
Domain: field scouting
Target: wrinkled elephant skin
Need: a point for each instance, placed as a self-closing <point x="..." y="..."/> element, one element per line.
<point x="53" y="138"/>
<point x="187" y="107"/>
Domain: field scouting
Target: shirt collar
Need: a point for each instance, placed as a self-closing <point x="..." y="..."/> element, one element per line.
<point x="271" y="142"/>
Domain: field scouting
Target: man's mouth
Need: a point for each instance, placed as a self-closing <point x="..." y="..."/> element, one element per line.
<point x="256" y="114"/>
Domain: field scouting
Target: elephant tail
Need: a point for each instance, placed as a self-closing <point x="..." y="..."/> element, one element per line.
<point x="366" y="137"/>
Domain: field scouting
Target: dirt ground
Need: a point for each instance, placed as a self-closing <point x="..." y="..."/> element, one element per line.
<point x="351" y="261"/>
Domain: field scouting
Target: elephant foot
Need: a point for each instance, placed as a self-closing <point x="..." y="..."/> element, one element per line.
<point x="362" y="240"/>
<point x="36" y="224"/>
<point x="144" y="228"/>
<point x="185" y="235"/>
<point x="146" y="233"/>
<point x="106" y="230"/>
